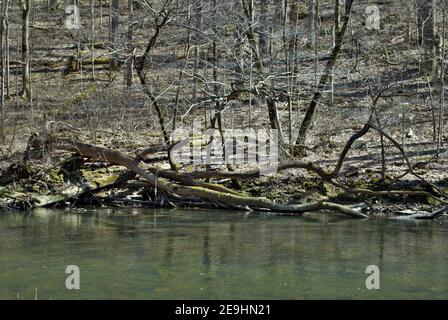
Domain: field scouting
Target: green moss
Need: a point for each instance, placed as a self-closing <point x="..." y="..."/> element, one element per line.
<point x="273" y="194"/>
<point x="302" y="11"/>
<point x="16" y="193"/>
<point x="432" y="201"/>
<point x="229" y="28"/>
<point x="423" y="159"/>
<point x="420" y="171"/>
<point x="310" y="184"/>
<point x="99" y="177"/>
<point x="330" y="190"/>
<point x="98" y="60"/>
<point x="56" y="176"/>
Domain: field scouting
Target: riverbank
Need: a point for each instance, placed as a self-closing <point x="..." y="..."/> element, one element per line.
<point x="46" y="175"/>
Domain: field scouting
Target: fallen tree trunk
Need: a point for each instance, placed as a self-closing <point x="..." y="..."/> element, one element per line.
<point x="202" y="191"/>
<point x="71" y="192"/>
<point x="186" y="185"/>
<point x="421" y="215"/>
<point x="13" y="199"/>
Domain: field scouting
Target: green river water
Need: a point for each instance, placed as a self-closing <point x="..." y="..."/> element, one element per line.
<point x="196" y="254"/>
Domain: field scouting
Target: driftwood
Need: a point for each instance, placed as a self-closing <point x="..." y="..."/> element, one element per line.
<point x="68" y="193"/>
<point x="199" y="190"/>
<point x="421" y="215"/>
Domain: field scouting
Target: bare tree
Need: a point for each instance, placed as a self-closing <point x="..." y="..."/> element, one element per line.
<point x="3" y="55"/>
<point x="6" y="30"/>
<point x="160" y="20"/>
<point x="426" y="34"/>
<point x="337" y="14"/>
<point x="442" y="85"/>
<point x="92" y="34"/>
<point x="311" y="22"/>
<point x="263" y="32"/>
<point x="306" y="123"/>
<point x="130" y="43"/>
<point x="26" y="70"/>
<point x="114" y="33"/>
<point x="238" y="48"/>
<point x="198" y="14"/>
<point x="248" y="8"/>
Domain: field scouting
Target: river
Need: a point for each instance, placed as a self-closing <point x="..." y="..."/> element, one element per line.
<point x="198" y="254"/>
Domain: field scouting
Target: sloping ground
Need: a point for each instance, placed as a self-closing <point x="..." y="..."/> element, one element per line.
<point x="98" y="110"/>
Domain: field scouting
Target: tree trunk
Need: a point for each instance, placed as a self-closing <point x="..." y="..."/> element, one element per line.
<point x="3" y="55"/>
<point x="6" y="28"/>
<point x="337" y="15"/>
<point x="239" y="59"/>
<point x="140" y="68"/>
<point x="26" y="81"/>
<point x="263" y="33"/>
<point x="130" y="44"/>
<point x="197" y="51"/>
<point x="311" y="22"/>
<point x="258" y="63"/>
<point x="306" y="123"/>
<point x="92" y="35"/>
<point x="277" y="14"/>
<point x="114" y="34"/>
<point x="442" y="86"/>
<point x="426" y="35"/>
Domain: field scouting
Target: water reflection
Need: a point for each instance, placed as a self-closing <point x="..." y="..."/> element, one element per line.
<point x="159" y="254"/>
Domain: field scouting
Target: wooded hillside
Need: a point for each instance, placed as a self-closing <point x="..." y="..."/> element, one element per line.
<point x="92" y="93"/>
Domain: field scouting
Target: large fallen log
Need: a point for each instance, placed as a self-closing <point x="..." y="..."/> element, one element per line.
<point x="201" y="191"/>
<point x="68" y="193"/>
